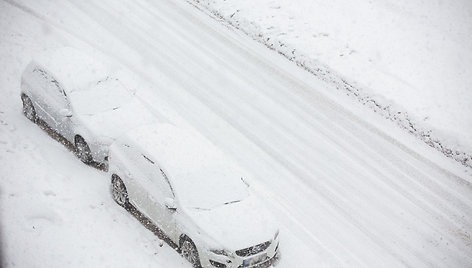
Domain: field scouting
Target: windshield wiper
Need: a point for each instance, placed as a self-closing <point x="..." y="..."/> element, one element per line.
<point x="231" y="202"/>
<point x="207" y="209"/>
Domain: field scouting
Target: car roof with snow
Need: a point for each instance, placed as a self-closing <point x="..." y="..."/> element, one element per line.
<point x="71" y="67"/>
<point x="100" y="96"/>
<point x="202" y="174"/>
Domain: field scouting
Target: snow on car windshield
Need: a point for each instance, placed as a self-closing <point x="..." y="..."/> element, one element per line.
<point x="210" y="189"/>
<point x="105" y="95"/>
<point x="203" y="176"/>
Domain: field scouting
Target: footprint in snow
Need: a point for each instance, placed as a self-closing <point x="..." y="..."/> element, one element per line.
<point x="41" y="220"/>
<point x="49" y="193"/>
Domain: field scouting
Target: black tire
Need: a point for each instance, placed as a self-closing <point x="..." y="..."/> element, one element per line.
<point x="189" y="251"/>
<point x="28" y="109"/>
<point x="82" y="150"/>
<point x="119" y="192"/>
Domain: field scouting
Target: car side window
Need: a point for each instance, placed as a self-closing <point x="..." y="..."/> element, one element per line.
<point x="156" y="175"/>
<point x="40" y="77"/>
<point x="147" y="172"/>
<point x="52" y="87"/>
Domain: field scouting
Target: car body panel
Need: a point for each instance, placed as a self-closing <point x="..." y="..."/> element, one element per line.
<point x="64" y="84"/>
<point x="72" y="68"/>
<point x="192" y="162"/>
<point x="235" y="223"/>
<point x="238" y="225"/>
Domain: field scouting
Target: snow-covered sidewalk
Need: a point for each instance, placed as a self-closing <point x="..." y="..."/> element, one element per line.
<point x="409" y="61"/>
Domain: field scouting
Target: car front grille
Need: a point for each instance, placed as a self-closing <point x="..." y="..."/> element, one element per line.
<point x="253" y="250"/>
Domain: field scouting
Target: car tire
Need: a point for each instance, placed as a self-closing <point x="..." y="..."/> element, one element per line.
<point x="188" y="250"/>
<point x="82" y="150"/>
<point x="119" y="192"/>
<point x="28" y="108"/>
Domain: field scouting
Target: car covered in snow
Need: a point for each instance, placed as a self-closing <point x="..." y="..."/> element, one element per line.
<point x="193" y="193"/>
<point x="78" y="98"/>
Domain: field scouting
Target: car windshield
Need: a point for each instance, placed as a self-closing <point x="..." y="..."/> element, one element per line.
<point x="201" y="175"/>
<point x="208" y="190"/>
<point x="106" y="95"/>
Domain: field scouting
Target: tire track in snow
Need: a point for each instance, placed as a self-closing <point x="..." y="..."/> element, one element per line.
<point x="336" y="141"/>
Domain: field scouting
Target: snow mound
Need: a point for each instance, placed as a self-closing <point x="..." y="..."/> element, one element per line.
<point x="409" y="61"/>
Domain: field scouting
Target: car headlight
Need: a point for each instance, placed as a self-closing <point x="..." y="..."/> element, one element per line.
<point x="220" y="252"/>
<point x="276" y="235"/>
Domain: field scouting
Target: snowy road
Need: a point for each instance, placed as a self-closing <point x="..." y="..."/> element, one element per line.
<point x="348" y="188"/>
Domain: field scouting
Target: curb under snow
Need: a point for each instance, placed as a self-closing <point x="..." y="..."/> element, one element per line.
<point x="326" y="74"/>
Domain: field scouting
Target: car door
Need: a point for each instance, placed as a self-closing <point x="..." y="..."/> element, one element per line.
<point x="161" y="195"/>
<point x="126" y="156"/>
<point x="155" y="189"/>
<point x="53" y="101"/>
<point x="62" y="110"/>
<point x="41" y="96"/>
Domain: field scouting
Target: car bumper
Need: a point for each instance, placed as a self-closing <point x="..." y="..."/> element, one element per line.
<point x="260" y="260"/>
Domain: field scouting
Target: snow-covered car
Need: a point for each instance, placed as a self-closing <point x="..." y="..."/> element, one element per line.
<point x="77" y="97"/>
<point x="196" y="195"/>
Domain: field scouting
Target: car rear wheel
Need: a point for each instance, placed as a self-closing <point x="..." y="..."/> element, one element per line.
<point x="190" y="253"/>
<point x="28" y="108"/>
<point x="119" y="192"/>
<point x="83" y="150"/>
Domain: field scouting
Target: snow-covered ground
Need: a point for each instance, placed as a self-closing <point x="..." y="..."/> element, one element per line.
<point x="347" y="187"/>
<point x="409" y="60"/>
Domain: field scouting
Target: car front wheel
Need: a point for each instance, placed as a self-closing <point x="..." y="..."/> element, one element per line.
<point x="118" y="191"/>
<point x="190" y="253"/>
<point x="28" y="108"/>
<point x="83" y="150"/>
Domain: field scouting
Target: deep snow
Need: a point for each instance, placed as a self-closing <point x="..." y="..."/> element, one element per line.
<point x="347" y="188"/>
<point x="409" y="61"/>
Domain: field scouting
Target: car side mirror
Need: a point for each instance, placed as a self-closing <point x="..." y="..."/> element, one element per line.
<point x="170" y="204"/>
<point x="65" y="112"/>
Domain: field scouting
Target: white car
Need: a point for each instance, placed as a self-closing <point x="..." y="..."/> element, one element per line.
<point x="194" y="194"/>
<point x="77" y="97"/>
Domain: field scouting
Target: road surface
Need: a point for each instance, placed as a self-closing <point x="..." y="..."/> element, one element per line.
<point x="347" y="188"/>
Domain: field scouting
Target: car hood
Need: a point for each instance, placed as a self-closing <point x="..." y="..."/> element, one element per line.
<point x="237" y="225"/>
<point x="113" y="123"/>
